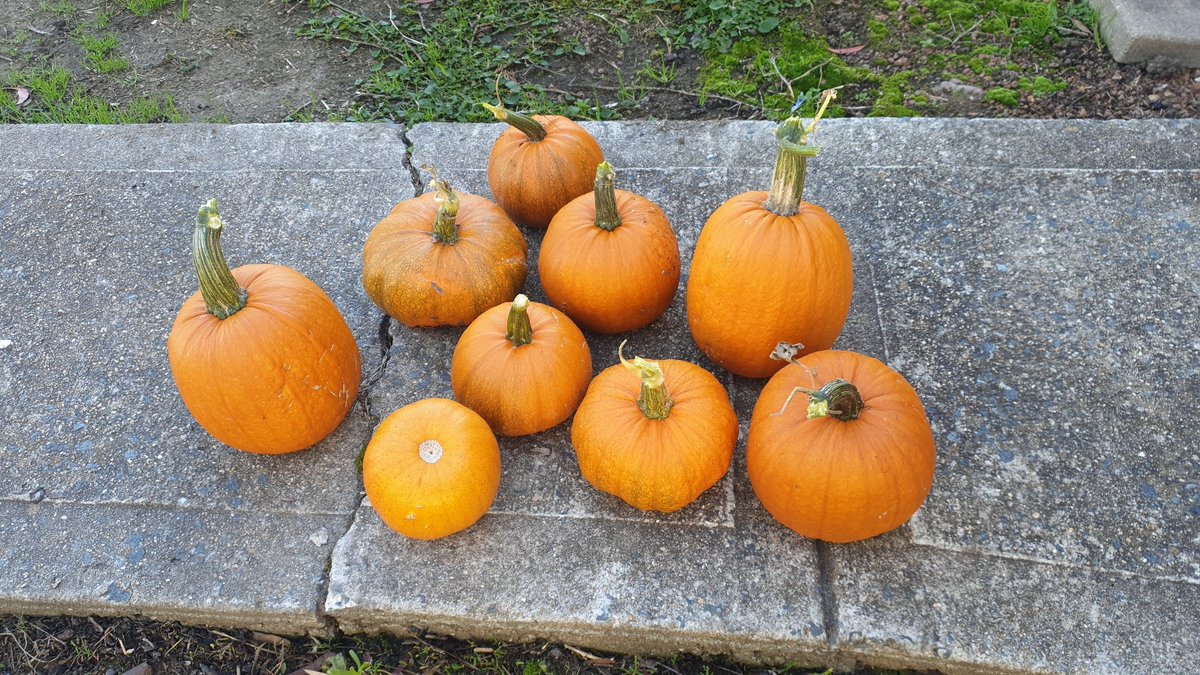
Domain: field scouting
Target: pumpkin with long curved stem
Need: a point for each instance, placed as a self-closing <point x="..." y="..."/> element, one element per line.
<point x="856" y="462"/>
<point x="539" y="164"/>
<point x="522" y="366"/>
<point x="610" y="259"/>
<point x="262" y="357"/>
<point x="770" y="267"/>
<point x="443" y="258"/>
<point x="655" y="434"/>
<point x="432" y="468"/>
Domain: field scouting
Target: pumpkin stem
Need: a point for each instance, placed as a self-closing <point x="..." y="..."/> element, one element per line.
<point x="445" y="229"/>
<point x="608" y="218"/>
<point x="223" y="296"/>
<point x="654" y="402"/>
<point x="791" y="166"/>
<point x="838" y="398"/>
<point x="519" y="331"/>
<point x="523" y="123"/>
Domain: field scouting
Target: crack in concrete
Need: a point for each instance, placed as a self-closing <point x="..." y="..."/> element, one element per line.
<point x="826" y="576"/>
<point x="414" y="173"/>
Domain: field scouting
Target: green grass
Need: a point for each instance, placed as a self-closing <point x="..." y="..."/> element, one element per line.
<point x="55" y="98"/>
<point x="146" y="7"/>
<point x="716" y="25"/>
<point x="100" y="53"/>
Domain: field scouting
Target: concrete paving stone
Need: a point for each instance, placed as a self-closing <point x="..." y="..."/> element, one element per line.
<point x="198" y="566"/>
<point x="1142" y="30"/>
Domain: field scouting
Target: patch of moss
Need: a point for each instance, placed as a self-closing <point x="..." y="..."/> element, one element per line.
<point x="1004" y="96"/>
<point x="878" y="30"/>
<point x="891" y="97"/>
<point x="1041" y="86"/>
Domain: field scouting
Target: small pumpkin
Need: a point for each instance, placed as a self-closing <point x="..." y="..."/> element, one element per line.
<point x="539" y="164"/>
<point x="432" y="469"/>
<point x="610" y="259"/>
<point x="262" y="357"/>
<point x="857" y="463"/>
<point x="522" y="366"/>
<point x="443" y="258"/>
<point x="655" y="434"/>
<point x="770" y="267"/>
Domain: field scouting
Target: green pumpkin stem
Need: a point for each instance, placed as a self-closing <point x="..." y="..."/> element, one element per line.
<point x="519" y="332"/>
<point x="608" y="218"/>
<point x="523" y="123"/>
<point x="791" y="166"/>
<point x="837" y="398"/>
<point x="223" y="296"/>
<point x="445" y="229"/>
<point x="654" y="401"/>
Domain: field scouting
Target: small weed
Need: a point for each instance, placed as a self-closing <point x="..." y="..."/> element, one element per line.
<point x="146" y="7"/>
<point x="719" y="24"/>
<point x="99" y="53"/>
<point x="663" y="73"/>
<point x="1004" y="96"/>
<point x="338" y="665"/>
<point x="184" y="12"/>
<point x="61" y="8"/>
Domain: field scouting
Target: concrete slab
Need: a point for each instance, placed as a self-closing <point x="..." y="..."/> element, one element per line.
<point x="94" y="264"/>
<point x="1056" y="507"/>
<point x="1141" y="30"/>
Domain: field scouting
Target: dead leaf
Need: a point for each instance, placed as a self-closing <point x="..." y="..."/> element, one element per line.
<point x="424" y="3"/>
<point x="1080" y="25"/>
<point x="267" y="638"/>
<point x="21" y="93"/>
<point x="848" y="50"/>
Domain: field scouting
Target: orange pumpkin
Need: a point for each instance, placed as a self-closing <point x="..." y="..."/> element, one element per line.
<point x="770" y="267"/>
<point x="859" y="462"/>
<point x="432" y="469"/>
<point x="443" y="258"/>
<point x="522" y="366"/>
<point x="262" y="357"/>
<point x="658" y="437"/>
<point x="610" y="259"/>
<point x="539" y="164"/>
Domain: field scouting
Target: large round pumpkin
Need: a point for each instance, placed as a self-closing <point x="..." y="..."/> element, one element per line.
<point x="522" y="366"/>
<point x="610" y="259"/>
<point x="851" y="456"/>
<point x="539" y="164"/>
<point x="770" y="267"/>
<point x="262" y="358"/>
<point x="657" y="437"/>
<point x="443" y="258"/>
<point x="432" y="469"/>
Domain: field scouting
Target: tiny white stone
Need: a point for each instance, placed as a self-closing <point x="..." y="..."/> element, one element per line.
<point x="320" y="537"/>
<point x="5" y="344"/>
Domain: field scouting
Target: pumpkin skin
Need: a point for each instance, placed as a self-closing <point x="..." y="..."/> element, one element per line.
<point x="276" y="376"/>
<point x="527" y="389"/>
<point x="610" y="281"/>
<point x="424" y="499"/>
<point x="655" y="464"/>
<point x="420" y="281"/>
<point x="531" y="180"/>
<point x="841" y="481"/>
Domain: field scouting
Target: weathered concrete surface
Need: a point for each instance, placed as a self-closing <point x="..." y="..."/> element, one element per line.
<point x="1032" y="280"/>
<point x="1141" y="30"/>
<point x="94" y="264"/>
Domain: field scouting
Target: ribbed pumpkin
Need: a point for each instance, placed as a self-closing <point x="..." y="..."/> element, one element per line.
<point x="522" y="366"/>
<point x="443" y="258"/>
<point x="539" y="164"/>
<point x="770" y="267"/>
<point x="854" y="460"/>
<point x="656" y="437"/>
<point x="432" y="469"/>
<point x="610" y="259"/>
<point x="263" y="359"/>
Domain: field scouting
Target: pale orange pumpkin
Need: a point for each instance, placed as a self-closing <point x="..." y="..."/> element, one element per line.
<point x="539" y="164"/>
<point x="656" y="437"/>
<point x="610" y="259"/>
<point x="523" y="366"/>
<point x="432" y="469"/>
<point x="770" y="267"/>
<point x="443" y="258"/>
<point x="850" y="457"/>
<point x="262" y="357"/>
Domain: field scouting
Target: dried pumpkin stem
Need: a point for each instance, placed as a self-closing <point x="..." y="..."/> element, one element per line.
<point x="654" y="401"/>
<point x="523" y="123"/>
<point x="223" y="296"/>
<point x="791" y="166"/>
<point x="837" y="398"/>
<point x="445" y="229"/>
<point x="608" y="218"/>
<point x="519" y="332"/>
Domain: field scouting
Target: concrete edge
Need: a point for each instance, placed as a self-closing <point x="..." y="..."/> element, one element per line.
<point x="1129" y="40"/>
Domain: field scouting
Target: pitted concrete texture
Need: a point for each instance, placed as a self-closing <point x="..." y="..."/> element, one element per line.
<point x="1034" y="280"/>
<point x="95" y="262"/>
<point x="1144" y="30"/>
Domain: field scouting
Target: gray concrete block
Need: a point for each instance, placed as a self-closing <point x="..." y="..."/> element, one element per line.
<point x="1142" y="30"/>
<point x="222" y="567"/>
